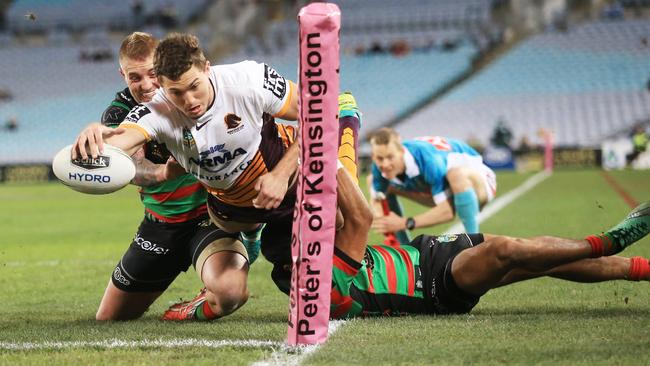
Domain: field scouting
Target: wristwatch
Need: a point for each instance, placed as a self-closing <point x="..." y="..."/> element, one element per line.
<point x="410" y="223"/>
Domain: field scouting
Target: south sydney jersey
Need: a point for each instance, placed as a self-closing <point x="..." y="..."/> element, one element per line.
<point x="221" y="146"/>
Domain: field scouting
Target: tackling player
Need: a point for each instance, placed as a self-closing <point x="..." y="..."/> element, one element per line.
<point x="444" y="173"/>
<point x="218" y="123"/>
<point x="176" y="228"/>
<point x="448" y="274"/>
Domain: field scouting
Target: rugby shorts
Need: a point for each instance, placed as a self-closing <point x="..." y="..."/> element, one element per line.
<point x="442" y="295"/>
<point x="160" y="251"/>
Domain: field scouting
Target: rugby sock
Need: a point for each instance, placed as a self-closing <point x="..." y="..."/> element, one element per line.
<point x="639" y="269"/>
<point x="348" y="145"/>
<point x="252" y="242"/>
<point x="600" y="245"/>
<point x="466" y="204"/>
<point x="204" y="312"/>
<point x="349" y="124"/>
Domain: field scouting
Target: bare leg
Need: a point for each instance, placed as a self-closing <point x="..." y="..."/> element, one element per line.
<point x="481" y="268"/>
<point x="585" y="270"/>
<point x="121" y="305"/>
<point x="225" y="276"/>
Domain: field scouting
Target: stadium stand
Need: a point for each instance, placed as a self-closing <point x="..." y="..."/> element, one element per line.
<point x="53" y="100"/>
<point x="86" y="14"/>
<point x="584" y="85"/>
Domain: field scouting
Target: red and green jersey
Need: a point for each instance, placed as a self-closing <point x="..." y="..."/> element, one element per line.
<point x="177" y="200"/>
<point x="387" y="282"/>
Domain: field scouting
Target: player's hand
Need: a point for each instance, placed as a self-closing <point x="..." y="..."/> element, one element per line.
<point x="172" y="169"/>
<point x="91" y="140"/>
<point x="271" y="190"/>
<point x="389" y="223"/>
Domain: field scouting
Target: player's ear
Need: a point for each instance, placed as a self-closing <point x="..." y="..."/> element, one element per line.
<point x="121" y="72"/>
<point x="207" y="66"/>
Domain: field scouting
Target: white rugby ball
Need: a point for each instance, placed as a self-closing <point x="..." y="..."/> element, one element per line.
<point x="109" y="172"/>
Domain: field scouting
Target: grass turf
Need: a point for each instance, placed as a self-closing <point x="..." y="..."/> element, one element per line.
<point x="58" y="247"/>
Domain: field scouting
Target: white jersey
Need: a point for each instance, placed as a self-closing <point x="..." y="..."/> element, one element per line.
<point x="223" y="144"/>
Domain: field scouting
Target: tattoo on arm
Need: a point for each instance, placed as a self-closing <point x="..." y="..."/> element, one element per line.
<point x="145" y="171"/>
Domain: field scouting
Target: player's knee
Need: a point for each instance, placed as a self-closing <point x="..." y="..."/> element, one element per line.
<point x="230" y="299"/>
<point x="506" y="250"/>
<point x="228" y="294"/>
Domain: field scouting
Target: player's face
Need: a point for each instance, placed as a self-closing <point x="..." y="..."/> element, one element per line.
<point x="192" y="93"/>
<point x="140" y="78"/>
<point x="389" y="158"/>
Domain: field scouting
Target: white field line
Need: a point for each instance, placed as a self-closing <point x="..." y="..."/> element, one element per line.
<point x="116" y="343"/>
<point x="294" y="355"/>
<point x="502" y="201"/>
<point x="56" y="262"/>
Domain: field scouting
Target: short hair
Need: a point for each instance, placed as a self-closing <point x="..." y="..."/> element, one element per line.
<point x="138" y="46"/>
<point x="384" y="136"/>
<point x="176" y="54"/>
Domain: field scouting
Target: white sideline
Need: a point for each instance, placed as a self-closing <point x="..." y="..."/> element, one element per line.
<point x="156" y="343"/>
<point x="502" y="201"/>
<point x="293" y="356"/>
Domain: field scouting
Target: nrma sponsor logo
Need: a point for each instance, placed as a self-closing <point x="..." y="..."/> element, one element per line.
<point x="84" y="177"/>
<point x="216" y="158"/>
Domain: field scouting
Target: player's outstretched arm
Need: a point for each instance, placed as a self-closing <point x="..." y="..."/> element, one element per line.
<point x="352" y="239"/>
<point x="91" y="140"/>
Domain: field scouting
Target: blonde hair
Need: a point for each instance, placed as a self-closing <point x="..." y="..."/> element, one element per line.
<point x="384" y="136"/>
<point x="138" y="46"/>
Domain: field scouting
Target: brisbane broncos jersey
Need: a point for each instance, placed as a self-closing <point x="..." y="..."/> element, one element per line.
<point x="221" y="148"/>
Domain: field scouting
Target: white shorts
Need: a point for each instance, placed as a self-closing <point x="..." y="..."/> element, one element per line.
<point x="476" y="162"/>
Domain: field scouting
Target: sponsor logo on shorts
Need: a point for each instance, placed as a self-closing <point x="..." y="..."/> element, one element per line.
<point x="446" y="238"/>
<point x="274" y="82"/>
<point x="117" y="274"/>
<point x="233" y="123"/>
<point x="148" y="246"/>
<point x="136" y="113"/>
<point x="91" y="163"/>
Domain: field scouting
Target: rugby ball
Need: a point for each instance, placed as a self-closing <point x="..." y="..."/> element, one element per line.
<point x="110" y="171"/>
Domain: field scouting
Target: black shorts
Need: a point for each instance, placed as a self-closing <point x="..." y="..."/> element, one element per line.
<point x="442" y="295"/>
<point x="160" y="251"/>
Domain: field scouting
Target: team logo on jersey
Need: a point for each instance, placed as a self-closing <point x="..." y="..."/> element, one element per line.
<point x="233" y="123"/>
<point x="91" y="163"/>
<point x="188" y="139"/>
<point x="274" y="82"/>
<point x="136" y="113"/>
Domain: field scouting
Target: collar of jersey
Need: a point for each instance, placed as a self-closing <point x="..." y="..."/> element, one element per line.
<point x="411" y="170"/>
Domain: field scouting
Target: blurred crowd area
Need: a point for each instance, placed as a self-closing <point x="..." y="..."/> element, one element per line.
<point x="497" y="73"/>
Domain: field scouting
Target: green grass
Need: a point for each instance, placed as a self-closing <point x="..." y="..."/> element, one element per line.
<point x="58" y="247"/>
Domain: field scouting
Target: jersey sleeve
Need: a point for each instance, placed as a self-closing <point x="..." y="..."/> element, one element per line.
<point x="142" y="119"/>
<point x="344" y="270"/>
<point x="275" y="91"/>
<point x="114" y="114"/>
